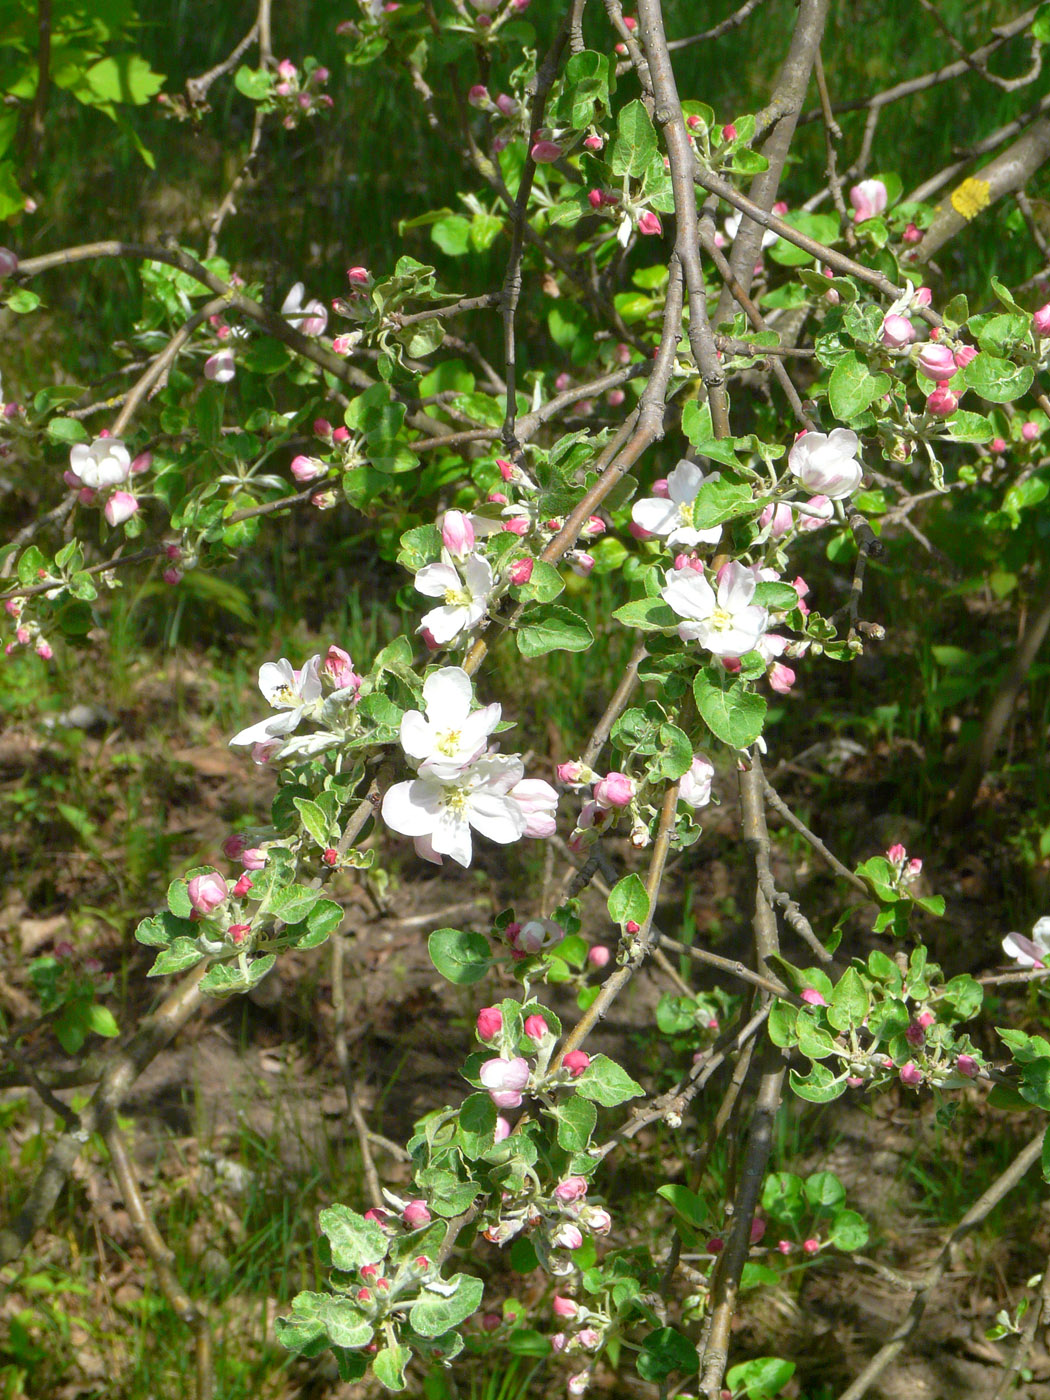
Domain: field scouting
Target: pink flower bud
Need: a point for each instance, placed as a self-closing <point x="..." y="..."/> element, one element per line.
<point x="341" y="435"/>
<point x="715" y="1245"/>
<point x="544" y="152"/>
<point x="520" y="571"/>
<point x="576" y="1062"/>
<point x="632" y="927"/>
<point x="580" y="562"/>
<point x="8" y="262"/>
<point x="573" y="1188"/>
<point x="253" y="858"/>
<point x="536" y="1027"/>
<point x="758" y="1229"/>
<point x="330" y="856"/>
<point x="868" y="198"/>
<point x="220" y="367"/>
<point x="649" y="223"/>
<point x="457" y="533"/>
<point x="924" y="297"/>
<point x="490" y="1022"/>
<point x="911" y="1074"/>
<point x="623" y="353"/>
<point x="812" y="997"/>
<point x="925" y="1018"/>
<point x="966" y="1064"/>
<point x="942" y="403"/>
<point x="306" y="469"/>
<point x="502" y="1129"/>
<point x="558" y="1341"/>
<point x="896" y="855"/>
<point x="172" y="576"/>
<point x="1041" y="320"/>
<point x="780" y="518"/>
<point x="729" y="132"/>
<point x="363" y="1295"/>
<point x="597" y="1219"/>
<point x="415" y="1214"/>
<point x="997" y="445"/>
<point x="598" y="955"/>
<point x="505" y="1080"/>
<point x="1029" y="431"/>
<point x="897" y="331"/>
<point x="912" y="234"/>
<point x="567" y="1236"/>
<point x="323" y="500"/>
<point x="810" y="1246"/>
<point x="965" y="355"/>
<point x="43" y="649"/>
<point x="121" y="506"/>
<point x="490" y="1322"/>
<point x="780" y="677"/>
<point x="784" y="1246"/>
<point x="516" y="525"/>
<point x="594" y="198"/>
<point x="286" y="69"/>
<point x="914" y="1034"/>
<point x="242" y="887"/>
<point x="912" y="870"/>
<point x="141" y="463"/>
<point x="496" y="498"/>
<point x="936" y="362"/>
<point x="507" y="105"/>
<point x="207" y="892"/>
<point x="429" y="640"/>
<point x="238" y="932"/>
<point x="478" y="96"/>
<point x="614" y="790"/>
<point x="564" y="1307"/>
<point x="589" y="1338"/>
<point x="593" y="143"/>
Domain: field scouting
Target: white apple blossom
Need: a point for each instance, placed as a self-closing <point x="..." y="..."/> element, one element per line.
<point x="464" y="600"/>
<point x="445" y="809"/>
<point x="673" y="517"/>
<point x="539" y="801"/>
<point x="826" y="463"/>
<point x="292" y="693"/>
<point x="450" y="736"/>
<point x="727" y="623"/>
<point x="694" y="787"/>
<point x="1030" y="952"/>
<point x="106" y="463"/>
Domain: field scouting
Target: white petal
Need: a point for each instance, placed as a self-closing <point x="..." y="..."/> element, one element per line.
<point x="687" y="535"/>
<point x="1041" y="932"/>
<point x="657" y="516"/>
<point x="294" y="300"/>
<point x="477" y="727"/>
<point x="689" y="594"/>
<point x="444" y="623"/>
<point x="736" y="587"/>
<point x="274" y="727"/>
<point x="447" y="694"/>
<point x="478" y="575"/>
<point x="845" y="441"/>
<point x="451" y="837"/>
<point x="684" y="482"/>
<point x="499" y="818"/>
<point x="434" y="580"/>
<point x="309" y="684"/>
<point x="413" y="808"/>
<point x="417" y="737"/>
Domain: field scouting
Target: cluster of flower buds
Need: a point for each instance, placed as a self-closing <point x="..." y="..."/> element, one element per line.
<point x="99" y="472"/>
<point x="297" y="94"/>
<point x="217" y="907"/>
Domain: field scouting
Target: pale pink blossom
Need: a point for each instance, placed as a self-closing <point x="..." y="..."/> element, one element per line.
<point x="572" y="1188"/>
<point x="1041" y="321"/>
<point x="826" y="462"/>
<point x="694" y="787"/>
<point x="897" y="332"/>
<point x="450" y="735"/>
<point x="505" y="1080"/>
<point x="942" y="403"/>
<point x="465" y="599"/>
<point x="726" y="623"/>
<point x="614" y="790"/>
<point x="306" y="469"/>
<point x="446" y="809"/>
<point x="539" y="802"/>
<point x="121" y="506"/>
<point x="672" y="517"/>
<point x="106" y="463"/>
<point x="338" y="670"/>
<point x="868" y="198"/>
<point x="1030" y="952"/>
<point x="936" y="361"/>
<point x="206" y="892"/>
<point x="220" y="367"/>
<point x="457" y="534"/>
<point x="310" y="317"/>
<point x="292" y="693"/>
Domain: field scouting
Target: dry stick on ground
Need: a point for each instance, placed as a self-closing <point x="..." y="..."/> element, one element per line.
<point x="999" y="712"/>
<point x="730" y="1266"/>
<point x="163" y="1258"/>
<point x="782" y="115"/>
<point x="979" y="1211"/>
<point x="680" y="155"/>
<point x="342" y="1054"/>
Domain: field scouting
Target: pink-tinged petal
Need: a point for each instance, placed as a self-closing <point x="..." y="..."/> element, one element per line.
<point x="689" y="594"/>
<point x="497" y="817"/>
<point x="451" y="837"/>
<point x="413" y="808"/>
<point x="736" y="587"/>
<point x="684" y="482"/>
<point x="498" y="772"/>
<point x="1022" y="950"/>
<point x="657" y="516"/>
<point x="425" y="850"/>
<point x="447" y="695"/>
<point x="434" y="580"/>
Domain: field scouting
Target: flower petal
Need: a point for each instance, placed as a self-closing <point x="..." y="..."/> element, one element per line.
<point x="684" y="482"/>
<point x="413" y="808"/>
<point x="447" y="695"/>
<point x="434" y="580"/>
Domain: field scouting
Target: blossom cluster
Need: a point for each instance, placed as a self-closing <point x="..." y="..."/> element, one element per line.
<point x="462" y="784"/>
<point x="323" y="692"/>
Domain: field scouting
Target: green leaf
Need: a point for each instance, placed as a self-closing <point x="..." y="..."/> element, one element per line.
<point x="825" y="1190"/>
<point x="819" y="1086"/>
<point x="850" y="1002"/>
<point x="434" y="1313"/>
<point x="253" y="83"/>
<point x="314" y="819"/>
<point x="606" y="1083"/>
<point x="852" y="387"/>
<point x="292" y="904"/>
<point x="22" y="301"/>
<point x="777" y="597"/>
<point x="665" y="1351"/>
<point x="760" y="1378"/>
<point x="718" y="501"/>
<point x="813" y="1040"/>
<point x="388" y="1366"/>
<point x="647" y="615"/>
<point x="353" y="1240"/>
<point x="452" y="235"/>
<point x="635" y="143"/>
<point x="125" y="78"/>
<point x="101" y="1020"/>
<point x="544" y="585"/>
<point x="996" y="379"/>
<point x="67" y="430"/>
<point x="461" y="958"/>
<point x="677" y="756"/>
<point x="848" y="1230"/>
<point x="732" y="712"/>
<point x="476" y="1124"/>
<point x="781" y="1024"/>
<point x="628" y="901"/>
<point x="576" y="1118"/>
<point x="182" y="953"/>
<point x="969" y="427"/>
<point x="691" y="1207"/>
<point x="552" y="628"/>
<point x="783" y="1196"/>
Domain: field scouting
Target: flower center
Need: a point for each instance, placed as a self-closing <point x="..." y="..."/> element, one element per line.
<point x="685" y="513"/>
<point x="455" y="800"/>
<point x="721" y="620"/>
<point x="285" y="697"/>
<point x="448" y="742"/>
<point x="457" y="598"/>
